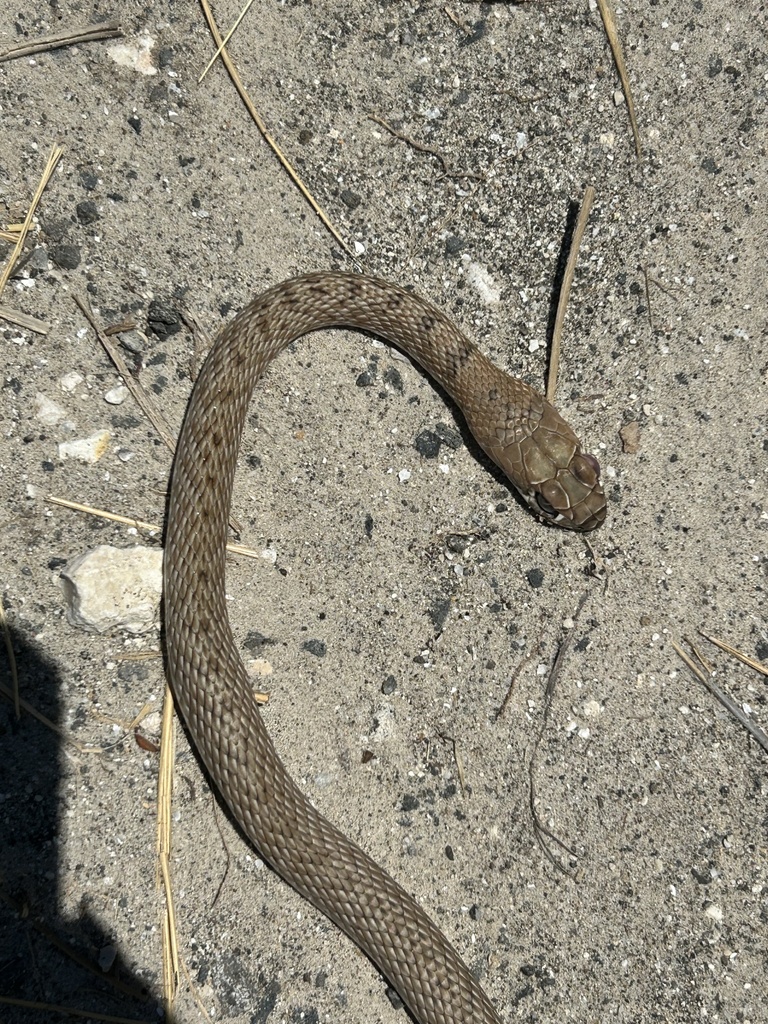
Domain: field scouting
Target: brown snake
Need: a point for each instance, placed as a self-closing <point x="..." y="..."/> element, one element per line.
<point x="514" y="425"/>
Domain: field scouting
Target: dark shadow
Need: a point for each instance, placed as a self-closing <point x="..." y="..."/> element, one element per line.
<point x="44" y="957"/>
<point x="562" y="261"/>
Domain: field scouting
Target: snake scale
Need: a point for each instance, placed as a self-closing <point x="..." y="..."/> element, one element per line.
<point x="518" y="430"/>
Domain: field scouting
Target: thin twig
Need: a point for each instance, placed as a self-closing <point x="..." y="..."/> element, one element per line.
<point x="539" y="827"/>
<point x="459" y="762"/>
<point x="164" y="799"/>
<point x="744" y="658"/>
<point x="730" y="705"/>
<point x="70" y="1011"/>
<point x="609" y="21"/>
<point x="565" y="290"/>
<point x="200" y="342"/>
<point x="139" y="524"/>
<point x="29" y="323"/>
<point x="143" y="400"/>
<point x="71" y="37"/>
<point x="648" y="297"/>
<point x="557" y="667"/>
<point x="705" y="665"/>
<point x="113" y="517"/>
<point x="220" y="887"/>
<point x="225" y="40"/>
<point x="511" y="687"/>
<point x="465" y="28"/>
<point x="50" y="167"/>
<point x="420" y="147"/>
<point x="26" y="706"/>
<point x="237" y="81"/>
<point x="195" y="993"/>
<point x="21" y="909"/>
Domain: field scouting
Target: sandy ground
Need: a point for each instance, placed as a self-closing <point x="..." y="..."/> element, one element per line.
<point x="424" y="597"/>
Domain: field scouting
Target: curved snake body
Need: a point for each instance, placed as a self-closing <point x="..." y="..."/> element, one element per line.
<point x="515" y="426"/>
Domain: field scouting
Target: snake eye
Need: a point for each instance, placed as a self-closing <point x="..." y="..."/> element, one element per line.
<point x="592" y="462"/>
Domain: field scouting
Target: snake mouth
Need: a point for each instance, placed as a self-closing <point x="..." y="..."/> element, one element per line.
<point x="583" y="518"/>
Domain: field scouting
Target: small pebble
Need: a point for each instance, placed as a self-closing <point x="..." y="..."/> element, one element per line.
<point x="117" y="395"/>
<point x="70" y="381"/>
<point x="85" y="449"/>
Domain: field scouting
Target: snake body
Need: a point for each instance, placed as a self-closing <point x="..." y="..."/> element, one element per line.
<point x="515" y="426"/>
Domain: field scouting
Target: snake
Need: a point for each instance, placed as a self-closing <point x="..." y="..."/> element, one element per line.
<point x="519" y="431"/>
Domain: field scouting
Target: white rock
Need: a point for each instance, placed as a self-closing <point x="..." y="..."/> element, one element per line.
<point x="70" y="380"/>
<point x="85" y="449"/>
<point x="385" y="725"/>
<point x="47" y="411"/>
<point x="117" y="395"/>
<point x="136" y="55"/>
<point x="483" y="283"/>
<point x="258" y="667"/>
<point x="114" y="588"/>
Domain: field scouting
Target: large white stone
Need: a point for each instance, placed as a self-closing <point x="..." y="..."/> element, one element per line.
<point x="114" y="588"/>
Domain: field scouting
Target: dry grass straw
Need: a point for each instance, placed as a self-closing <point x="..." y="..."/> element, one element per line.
<point x="225" y="40"/>
<point x="70" y="38"/>
<point x="703" y="675"/>
<point x="735" y="653"/>
<point x="238" y="83"/>
<point x="24" y="705"/>
<point x="540" y="829"/>
<point x="29" y="323"/>
<point x="50" y="167"/>
<point x="164" y="799"/>
<point x="565" y="290"/>
<point x="143" y="400"/>
<point x="65" y="947"/>
<point x="609" y="20"/>
<point x="139" y="524"/>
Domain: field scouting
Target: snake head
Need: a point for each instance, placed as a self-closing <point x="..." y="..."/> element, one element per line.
<point x="547" y="466"/>
<point x="573" y="498"/>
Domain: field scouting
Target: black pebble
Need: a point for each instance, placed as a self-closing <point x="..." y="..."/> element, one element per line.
<point x="66" y="256"/>
<point x="87" y="212"/>
<point x="350" y="199"/>
<point x="162" y="320"/>
<point x="316" y="647"/>
<point x="535" y="577"/>
<point x="427" y="444"/>
<point x="389" y="686"/>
